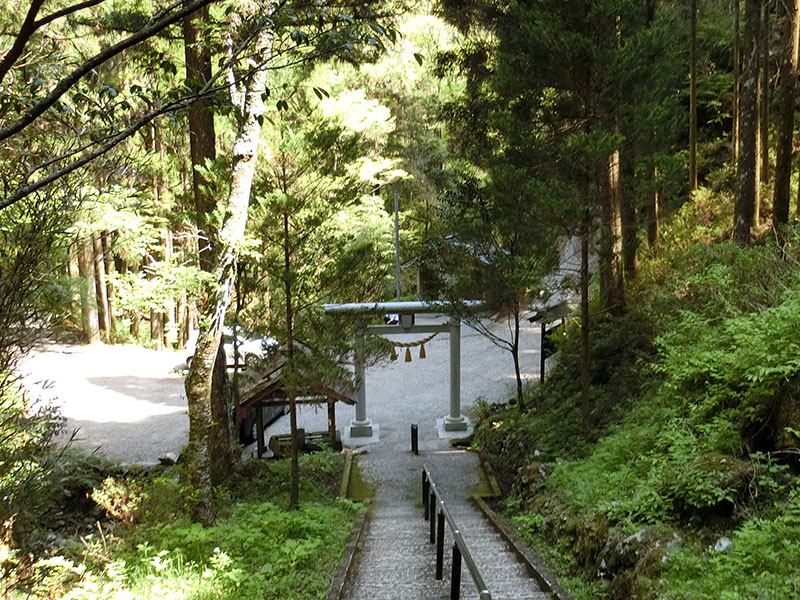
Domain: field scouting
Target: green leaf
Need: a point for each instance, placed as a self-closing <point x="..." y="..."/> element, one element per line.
<point x="419" y="58"/>
<point x="169" y="68"/>
<point x="377" y="29"/>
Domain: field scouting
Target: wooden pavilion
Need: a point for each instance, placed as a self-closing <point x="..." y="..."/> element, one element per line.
<point x="264" y="386"/>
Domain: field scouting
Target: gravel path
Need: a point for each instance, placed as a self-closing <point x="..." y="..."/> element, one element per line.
<point x="129" y="404"/>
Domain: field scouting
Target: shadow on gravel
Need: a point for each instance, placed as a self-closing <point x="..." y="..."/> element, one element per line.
<point x="161" y="391"/>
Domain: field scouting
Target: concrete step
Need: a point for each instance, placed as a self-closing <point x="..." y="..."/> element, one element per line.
<point x="397" y="561"/>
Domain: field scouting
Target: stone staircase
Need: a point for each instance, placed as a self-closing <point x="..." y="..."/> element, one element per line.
<point x="397" y="561"/>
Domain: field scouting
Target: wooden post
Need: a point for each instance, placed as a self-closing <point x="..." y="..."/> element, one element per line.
<point x="260" y="428"/>
<point x="331" y="421"/>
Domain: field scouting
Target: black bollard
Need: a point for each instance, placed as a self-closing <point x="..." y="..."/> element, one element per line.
<point x="440" y="546"/>
<point x="455" y="578"/>
<point x="415" y="439"/>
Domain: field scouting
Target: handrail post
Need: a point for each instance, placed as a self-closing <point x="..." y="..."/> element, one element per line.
<point x="440" y="547"/>
<point x="432" y="502"/>
<point x="455" y="577"/>
<point x="435" y="507"/>
<point x="425" y="498"/>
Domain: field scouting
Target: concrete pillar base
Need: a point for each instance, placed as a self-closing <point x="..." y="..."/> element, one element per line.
<point x="360" y="428"/>
<point x="456" y="423"/>
<point x="445" y="433"/>
<point x="357" y="441"/>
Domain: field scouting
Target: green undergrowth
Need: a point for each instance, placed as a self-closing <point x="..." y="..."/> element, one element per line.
<point x="150" y="549"/>
<point x="683" y="482"/>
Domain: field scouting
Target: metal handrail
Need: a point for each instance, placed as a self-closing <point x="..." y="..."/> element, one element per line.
<point x="430" y="499"/>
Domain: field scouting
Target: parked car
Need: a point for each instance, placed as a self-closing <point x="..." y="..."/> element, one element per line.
<point x="251" y="349"/>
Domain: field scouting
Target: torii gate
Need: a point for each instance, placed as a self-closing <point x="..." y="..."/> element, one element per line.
<point x="361" y="426"/>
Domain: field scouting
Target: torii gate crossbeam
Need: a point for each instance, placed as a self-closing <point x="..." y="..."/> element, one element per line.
<point x="361" y="426"/>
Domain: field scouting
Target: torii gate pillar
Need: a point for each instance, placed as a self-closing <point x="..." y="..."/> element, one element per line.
<point x="361" y="426"/>
<point x="455" y="421"/>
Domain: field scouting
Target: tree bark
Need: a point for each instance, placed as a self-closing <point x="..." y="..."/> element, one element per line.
<point x="737" y="77"/>
<point x="109" y="260"/>
<point x="627" y="206"/>
<point x="612" y="285"/>
<point x="652" y="208"/>
<point x="157" y="328"/>
<point x="198" y="382"/>
<point x="102" y="289"/>
<point x="763" y="111"/>
<point x="693" y="97"/>
<point x="202" y="137"/>
<point x="515" y="355"/>
<point x="584" y="282"/>
<point x="75" y="274"/>
<point x="744" y="208"/>
<point x="788" y="89"/>
<point x="220" y="442"/>
<point x="136" y="315"/>
<point x="294" y="489"/>
<point x="169" y="308"/>
<point x="89" y="321"/>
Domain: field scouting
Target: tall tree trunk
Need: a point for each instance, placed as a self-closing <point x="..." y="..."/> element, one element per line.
<point x="515" y="356"/>
<point x="763" y="111"/>
<point x="788" y="89"/>
<point x="157" y="328"/>
<point x="136" y="315"/>
<point x="219" y="436"/>
<point x="624" y="197"/>
<point x="89" y="321"/>
<point x="198" y="382"/>
<point x="797" y="207"/>
<point x="169" y="308"/>
<point x="627" y="206"/>
<point x="202" y="137"/>
<point x="652" y="208"/>
<point x="294" y="488"/>
<point x="182" y="311"/>
<point x="112" y="317"/>
<point x="744" y="208"/>
<point x="693" y="96"/>
<point x="584" y="283"/>
<point x="102" y="289"/>
<point x="737" y="78"/>
<point x="75" y="275"/>
<point x="202" y="145"/>
<point x="612" y="285"/>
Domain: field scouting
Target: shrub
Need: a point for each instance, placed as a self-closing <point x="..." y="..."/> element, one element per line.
<point x="760" y="562"/>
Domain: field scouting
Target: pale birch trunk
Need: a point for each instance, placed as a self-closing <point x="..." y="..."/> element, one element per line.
<point x="198" y="381"/>
<point x="101" y="287"/>
<point x="89" y="321"/>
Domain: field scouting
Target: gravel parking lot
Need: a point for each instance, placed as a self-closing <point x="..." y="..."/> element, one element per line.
<point x="129" y="403"/>
<point x="126" y="402"/>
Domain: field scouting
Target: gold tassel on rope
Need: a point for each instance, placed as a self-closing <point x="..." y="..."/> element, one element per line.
<point x="408" y="354"/>
<point x="422" y="351"/>
<point x="393" y="355"/>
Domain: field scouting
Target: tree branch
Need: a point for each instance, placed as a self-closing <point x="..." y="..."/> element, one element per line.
<point x="25" y="33"/>
<point x="115" y="139"/>
<point x="66" y="11"/>
<point x="155" y="26"/>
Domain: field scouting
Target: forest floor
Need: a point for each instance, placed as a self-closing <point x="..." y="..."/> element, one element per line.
<point x="128" y="403"/>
